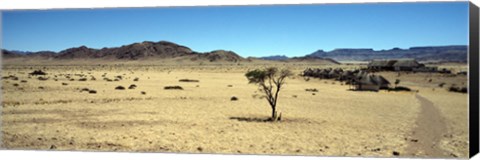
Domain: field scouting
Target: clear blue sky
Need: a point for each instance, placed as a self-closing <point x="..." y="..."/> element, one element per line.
<point x="247" y="30"/>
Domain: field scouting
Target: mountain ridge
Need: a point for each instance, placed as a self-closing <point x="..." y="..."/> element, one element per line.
<point x="134" y="51"/>
<point x="168" y="50"/>
<point x="448" y="53"/>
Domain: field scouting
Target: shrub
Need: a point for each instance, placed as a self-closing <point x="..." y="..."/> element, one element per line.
<point x="120" y="88"/>
<point x="173" y="87"/>
<point x="133" y="86"/>
<point x="454" y="88"/>
<point x="397" y="81"/>
<point x="37" y="72"/>
<point x="188" y="80"/>
<point x="311" y="90"/>
<point x="441" y="85"/>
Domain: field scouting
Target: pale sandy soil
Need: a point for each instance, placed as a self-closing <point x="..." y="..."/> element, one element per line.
<point x="202" y="118"/>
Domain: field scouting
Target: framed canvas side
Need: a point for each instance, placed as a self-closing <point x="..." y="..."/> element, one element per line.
<point x="473" y="79"/>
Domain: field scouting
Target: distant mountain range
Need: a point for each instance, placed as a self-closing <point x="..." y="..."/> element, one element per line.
<point x="275" y="57"/>
<point x="167" y="50"/>
<point x="457" y="53"/>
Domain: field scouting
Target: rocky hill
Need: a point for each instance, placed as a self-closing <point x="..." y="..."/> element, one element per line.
<point x="136" y="51"/>
<point x="219" y="55"/>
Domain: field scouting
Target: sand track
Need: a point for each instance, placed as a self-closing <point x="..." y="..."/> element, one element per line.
<point x="426" y="136"/>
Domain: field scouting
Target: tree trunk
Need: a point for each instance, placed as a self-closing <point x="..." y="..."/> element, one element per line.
<point x="273" y="114"/>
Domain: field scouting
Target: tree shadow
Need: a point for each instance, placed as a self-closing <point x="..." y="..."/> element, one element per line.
<point x="360" y="90"/>
<point x="249" y="119"/>
<point x="284" y="121"/>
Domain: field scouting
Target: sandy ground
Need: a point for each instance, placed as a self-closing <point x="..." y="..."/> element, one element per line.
<point x="202" y="119"/>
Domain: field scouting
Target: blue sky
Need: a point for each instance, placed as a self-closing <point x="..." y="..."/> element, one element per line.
<point x="292" y="30"/>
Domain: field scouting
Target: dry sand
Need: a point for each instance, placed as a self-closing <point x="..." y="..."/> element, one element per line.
<point x="202" y="119"/>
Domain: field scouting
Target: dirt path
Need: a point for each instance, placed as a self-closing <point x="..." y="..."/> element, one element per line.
<point x="425" y="138"/>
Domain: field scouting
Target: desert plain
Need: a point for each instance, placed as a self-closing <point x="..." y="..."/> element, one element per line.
<point x="55" y="114"/>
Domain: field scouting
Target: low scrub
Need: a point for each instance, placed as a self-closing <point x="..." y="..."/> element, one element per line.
<point x="120" y="88"/>
<point x="441" y="85"/>
<point x="311" y="90"/>
<point x="188" y="80"/>
<point x="458" y="89"/>
<point x="173" y="87"/>
<point x="37" y="72"/>
<point x="133" y="86"/>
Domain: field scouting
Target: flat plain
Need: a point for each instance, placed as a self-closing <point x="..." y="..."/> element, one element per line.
<point x="55" y="114"/>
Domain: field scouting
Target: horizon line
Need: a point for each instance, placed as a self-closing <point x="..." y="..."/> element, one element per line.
<point x="343" y="48"/>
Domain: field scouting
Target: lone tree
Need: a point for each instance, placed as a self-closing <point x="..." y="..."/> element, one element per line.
<point x="270" y="80"/>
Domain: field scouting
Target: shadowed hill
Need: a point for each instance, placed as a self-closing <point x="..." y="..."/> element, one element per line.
<point x="220" y="55"/>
